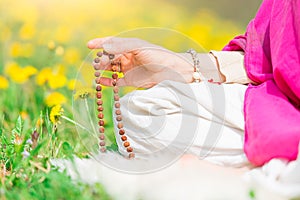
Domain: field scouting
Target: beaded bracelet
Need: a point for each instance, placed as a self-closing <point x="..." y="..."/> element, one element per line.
<point x="116" y="67"/>
<point x="197" y="75"/>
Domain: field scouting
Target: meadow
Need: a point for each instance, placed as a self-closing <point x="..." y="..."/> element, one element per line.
<point x="43" y="52"/>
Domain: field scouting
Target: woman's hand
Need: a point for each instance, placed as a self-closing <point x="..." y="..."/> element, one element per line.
<point x="143" y="64"/>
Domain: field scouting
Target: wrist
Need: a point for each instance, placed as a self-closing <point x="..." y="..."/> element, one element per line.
<point x="184" y="65"/>
<point x="208" y="66"/>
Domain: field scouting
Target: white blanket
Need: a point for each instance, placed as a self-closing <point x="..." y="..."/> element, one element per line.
<point x="188" y="179"/>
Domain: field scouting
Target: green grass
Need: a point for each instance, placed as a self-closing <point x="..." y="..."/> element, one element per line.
<point x="25" y="153"/>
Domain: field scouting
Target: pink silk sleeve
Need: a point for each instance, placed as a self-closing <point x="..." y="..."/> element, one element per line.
<point x="272" y="60"/>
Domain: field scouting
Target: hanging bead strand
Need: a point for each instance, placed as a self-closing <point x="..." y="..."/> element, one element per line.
<point x="99" y="103"/>
<point x="116" y="67"/>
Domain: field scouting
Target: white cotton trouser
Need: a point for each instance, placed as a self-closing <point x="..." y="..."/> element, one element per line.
<point x="203" y="119"/>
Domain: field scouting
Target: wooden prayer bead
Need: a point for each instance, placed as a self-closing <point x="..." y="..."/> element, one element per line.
<point x="98" y="88"/>
<point x="100" y="116"/>
<point x="99" y="102"/>
<point x="129" y="149"/>
<point x="101" y="129"/>
<point x="121" y="131"/>
<point x="102" y="137"/>
<point x="98" y="95"/>
<point x="120" y="125"/>
<point x="116" y="90"/>
<point x="97" y="60"/>
<point x="115" y="76"/>
<point x="124" y="138"/>
<point x="100" y="108"/>
<point x="119" y="118"/>
<point x="116" y="98"/>
<point x="131" y="155"/>
<point x="102" y="143"/>
<point x="126" y="144"/>
<point x="101" y="122"/>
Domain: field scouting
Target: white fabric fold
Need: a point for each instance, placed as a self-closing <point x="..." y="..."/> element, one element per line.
<point x="231" y="65"/>
<point x="203" y="119"/>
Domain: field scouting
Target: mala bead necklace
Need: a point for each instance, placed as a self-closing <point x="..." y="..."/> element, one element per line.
<point x="116" y="67"/>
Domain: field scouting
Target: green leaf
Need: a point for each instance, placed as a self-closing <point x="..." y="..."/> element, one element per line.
<point x="113" y="147"/>
<point x="36" y="150"/>
<point x="19" y="126"/>
<point x="252" y="194"/>
<point x="67" y="149"/>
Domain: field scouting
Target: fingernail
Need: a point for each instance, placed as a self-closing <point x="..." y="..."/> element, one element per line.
<point x="91" y="43"/>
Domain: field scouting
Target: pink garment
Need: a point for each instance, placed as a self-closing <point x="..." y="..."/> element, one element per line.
<point x="272" y="60"/>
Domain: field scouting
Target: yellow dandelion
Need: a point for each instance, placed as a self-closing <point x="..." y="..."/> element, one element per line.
<point x="24" y="115"/>
<point x="43" y="76"/>
<point x="27" y="31"/>
<point x="3" y="83"/>
<point x="55" y="113"/>
<point x="18" y="74"/>
<point x="15" y="49"/>
<point x="29" y="70"/>
<point x="84" y="93"/>
<point x="59" y="51"/>
<point x="57" y="81"/>
<point x="51" y="45"/>
<point x="71" y="84"/>
<point x="21" y="49"/>
<point x="55" y="98"/>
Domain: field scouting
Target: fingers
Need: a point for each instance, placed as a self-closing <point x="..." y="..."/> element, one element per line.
<point x="121" y="82"/>
<point x="105" y="63"/>
<point x="108" y="81"/>
<point x="116" y="45"/>
<point x="97" y="43"/>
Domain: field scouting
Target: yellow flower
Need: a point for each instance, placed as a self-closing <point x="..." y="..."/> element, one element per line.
<point x="84" y="93"/>
<point x="43" y="76"/>
<point x="51" y="45"/>
<point x="55" y="113"/>
<point x="27" y="31"/>
<point x="18" y="74"/>
<point x="71" y="84"/>
<point x="72" y="56"/>
<point x="29" y="70"/>
<point x="21" y="49"/>
<point x="15" y="49"/>
<point x="24" y="115"/>
<point x="3" y="82"/>
<point x="55" y="98"/>
<point x="59" y="51"/>
<point x="57" y="81"/>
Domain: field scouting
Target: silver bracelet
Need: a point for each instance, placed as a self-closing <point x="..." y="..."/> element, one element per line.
<point x="197" y="75"/>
